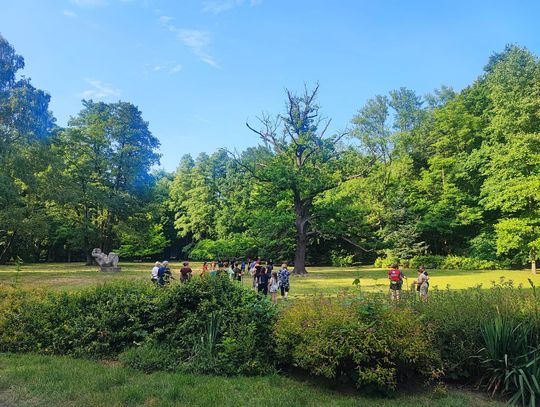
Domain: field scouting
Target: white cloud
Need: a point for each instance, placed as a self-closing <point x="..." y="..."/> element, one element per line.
<point x="69" y="13"/>
<point x="165" y="19"/>
<point x="100" y="90"/>
<point x="220" y="6"/>
<point x="157" y="68"/>
<point x="175" y="69"/>
<point x="89" y="3"/>
<point x="197" y="40"/>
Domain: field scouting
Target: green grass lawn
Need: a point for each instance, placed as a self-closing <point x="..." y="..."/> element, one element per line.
<point x="326" y="280"/>
<point x="32" y="380"/>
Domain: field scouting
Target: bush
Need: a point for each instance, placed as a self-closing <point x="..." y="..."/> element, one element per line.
<point x="456" y="318"/>
<point x="341" y="258"/>
<point x="150" y="357"/>
<point x="107" y="320"/>
<point x="453" y="263"/>
<point x="370" y="345"/>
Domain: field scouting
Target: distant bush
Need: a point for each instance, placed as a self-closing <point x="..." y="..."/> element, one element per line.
<point x="107" y="320"/>
<point x="370" y="345"/>
<point x="341" y="258"/>
<point x="442" y="262"/>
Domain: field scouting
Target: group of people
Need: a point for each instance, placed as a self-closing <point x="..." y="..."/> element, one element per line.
<point x="396" y="276"/>
<point x="264" y="279"/>
<point x="162" y="275"/>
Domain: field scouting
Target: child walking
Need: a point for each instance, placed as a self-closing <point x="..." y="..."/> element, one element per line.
<point x="273" y="287"/>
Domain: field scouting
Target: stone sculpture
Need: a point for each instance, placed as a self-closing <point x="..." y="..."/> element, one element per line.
<point x="106" y="262"/>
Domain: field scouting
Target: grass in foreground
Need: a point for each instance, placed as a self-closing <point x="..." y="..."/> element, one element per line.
<point x="325" y="280"/>
<point x="32" y="380"/>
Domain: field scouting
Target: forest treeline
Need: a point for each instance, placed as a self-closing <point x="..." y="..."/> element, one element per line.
<point x="449" y="173"/>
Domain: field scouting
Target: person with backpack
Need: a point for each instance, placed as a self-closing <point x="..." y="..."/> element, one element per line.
<point x="396" y="276"/>
<point x="167" y="275"/>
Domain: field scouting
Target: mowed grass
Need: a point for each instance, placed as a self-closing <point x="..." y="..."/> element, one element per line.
<point x="325" y="280"/>
<point x="33" y="380"/>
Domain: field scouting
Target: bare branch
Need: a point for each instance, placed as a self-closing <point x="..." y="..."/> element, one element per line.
<point x="357" y="245"/>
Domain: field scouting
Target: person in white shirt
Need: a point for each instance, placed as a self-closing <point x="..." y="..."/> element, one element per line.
<point x="155" y="271"/>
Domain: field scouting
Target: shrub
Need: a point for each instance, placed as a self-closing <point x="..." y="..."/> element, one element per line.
<point x="106" y="320"/>
<point x="453" y="263"/>
<point x="150" y="357"/>
<point x="383" y="262"/>
<point x="456" y="318"/>
<point x="340" y="258"/>
<point x="370" y="345"/>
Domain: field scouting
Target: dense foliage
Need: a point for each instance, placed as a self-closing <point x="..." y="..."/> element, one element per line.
<point x="170" y="325"/>
<point x="450" y="173"/>
<point x="369" y="344"/>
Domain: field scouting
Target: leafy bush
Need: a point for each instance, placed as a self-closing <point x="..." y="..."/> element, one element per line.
<point x="453" y="263"/>
<point x="340" y="258"/>
<point x="383" y="262"/>
<point x="370" y="345"/>
<point x="456" y="318"/>
<point x="105" y="321"/>
<point x="150" y="357"/>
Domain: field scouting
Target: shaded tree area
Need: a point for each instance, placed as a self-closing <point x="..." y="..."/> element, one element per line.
<point x="449" y="173"/>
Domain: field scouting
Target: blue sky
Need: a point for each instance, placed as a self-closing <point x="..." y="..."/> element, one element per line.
<point x="198" y="69"/>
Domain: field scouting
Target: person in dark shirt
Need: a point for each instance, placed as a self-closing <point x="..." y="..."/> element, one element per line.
<point x="237" y="273"/>
<point x="262" y="280"/>
<point x="185" y="272"/>
<point x="167" y="275"/>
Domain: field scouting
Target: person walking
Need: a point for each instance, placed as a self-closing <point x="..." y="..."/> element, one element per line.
<point x="422" y="284"/>
<point x="262" y="279"/>
<point x="167" y="275"/>
<point x="204" y="268"/>
<point x="185" y="272"/>
<point x="273" y="285"/>
<point x="238" y="273"/>
<point x="396" y="276"/>
<point x="155" y="271"/>
<point x="283" y="280"/>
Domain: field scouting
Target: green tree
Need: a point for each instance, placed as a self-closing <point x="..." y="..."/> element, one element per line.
<point x="303" y="162"/>
<point x="25" y="127"/>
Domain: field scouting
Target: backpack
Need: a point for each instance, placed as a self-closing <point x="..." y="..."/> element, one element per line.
<point x="395" y="275"/>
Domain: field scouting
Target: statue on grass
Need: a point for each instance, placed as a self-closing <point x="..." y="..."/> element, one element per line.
<point x="106" y="262"/>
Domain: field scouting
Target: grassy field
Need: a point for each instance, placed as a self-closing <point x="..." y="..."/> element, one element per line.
<point x="327" y="280"/>
<point x="31" y="380"/>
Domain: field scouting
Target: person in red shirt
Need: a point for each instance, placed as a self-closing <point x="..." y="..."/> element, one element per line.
<point x="396" y="276"/>
<point x="185" y="272"/>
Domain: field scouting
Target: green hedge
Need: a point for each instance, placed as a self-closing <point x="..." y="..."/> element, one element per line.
<point x="442" y="262"/>
<point x="107" y="320"/>
<point x="372" y="345"/>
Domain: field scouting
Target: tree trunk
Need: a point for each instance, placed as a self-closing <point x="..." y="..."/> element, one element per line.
<point x="6" y="252"/>
<point x="300" y="209"/>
